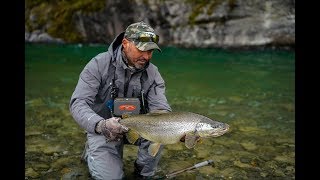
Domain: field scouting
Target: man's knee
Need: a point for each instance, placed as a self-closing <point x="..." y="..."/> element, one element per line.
<point x="105" y="169"/>
<point x="104" y="160"/>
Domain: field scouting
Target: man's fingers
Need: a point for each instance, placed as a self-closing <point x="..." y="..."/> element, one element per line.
<point x="124" y="128"/>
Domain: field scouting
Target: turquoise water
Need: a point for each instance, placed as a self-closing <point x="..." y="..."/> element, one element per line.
<point x="253" y="91"/>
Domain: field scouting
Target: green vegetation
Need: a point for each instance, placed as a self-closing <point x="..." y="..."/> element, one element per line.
<point x="208" y="6"/>
<point x="56" y="16"/>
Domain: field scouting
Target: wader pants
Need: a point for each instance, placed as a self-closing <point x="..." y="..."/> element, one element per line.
<point x="105" y="159"/>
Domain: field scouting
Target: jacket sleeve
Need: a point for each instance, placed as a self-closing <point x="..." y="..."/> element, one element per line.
<point x="83" y="96"/>
<point x="156" y="97"/>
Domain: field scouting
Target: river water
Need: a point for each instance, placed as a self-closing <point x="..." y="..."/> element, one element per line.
<point x="251" y="90"/>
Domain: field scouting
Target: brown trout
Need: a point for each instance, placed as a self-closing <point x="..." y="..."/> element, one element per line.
<point x="170" y="128"/>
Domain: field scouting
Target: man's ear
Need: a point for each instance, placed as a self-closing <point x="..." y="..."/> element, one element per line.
<point x="125" y="42"/>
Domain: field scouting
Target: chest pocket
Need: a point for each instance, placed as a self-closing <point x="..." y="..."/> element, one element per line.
<point x="145" y="83"/>
<point x="104" y="91"/>
<point x="105" y="88"/>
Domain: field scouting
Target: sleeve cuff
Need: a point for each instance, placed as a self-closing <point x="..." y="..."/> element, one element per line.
<point x="93" y="121"/>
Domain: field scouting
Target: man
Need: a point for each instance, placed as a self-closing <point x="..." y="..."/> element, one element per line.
<point x="124" y="71"/>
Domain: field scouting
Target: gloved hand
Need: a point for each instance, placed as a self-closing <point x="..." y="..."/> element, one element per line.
<point x="111" y="129"/>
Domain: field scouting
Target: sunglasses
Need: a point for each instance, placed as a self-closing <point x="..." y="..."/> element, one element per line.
<point x="147" y="37"/>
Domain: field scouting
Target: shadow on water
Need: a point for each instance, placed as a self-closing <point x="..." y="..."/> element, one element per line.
<point x="252" y="91"/>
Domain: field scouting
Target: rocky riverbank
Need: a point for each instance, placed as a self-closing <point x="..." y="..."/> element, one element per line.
<point x="184" y="23"/>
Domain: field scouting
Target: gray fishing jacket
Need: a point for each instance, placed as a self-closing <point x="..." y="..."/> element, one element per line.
<point x="88" y="101"/>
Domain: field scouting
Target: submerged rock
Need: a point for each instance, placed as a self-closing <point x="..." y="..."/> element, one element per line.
<point x="29" y="172"/>
<point x="249" y="146"/>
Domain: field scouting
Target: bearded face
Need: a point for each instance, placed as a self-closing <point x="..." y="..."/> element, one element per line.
<point x="136" y="58"/>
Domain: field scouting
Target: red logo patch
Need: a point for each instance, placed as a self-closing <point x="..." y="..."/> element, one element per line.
<point x="127" y="107"/>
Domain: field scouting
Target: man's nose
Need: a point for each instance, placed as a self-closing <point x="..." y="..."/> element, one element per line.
<point x="147" y="55"/>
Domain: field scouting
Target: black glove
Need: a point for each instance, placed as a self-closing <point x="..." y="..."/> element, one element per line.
<point x="111" y="129"/>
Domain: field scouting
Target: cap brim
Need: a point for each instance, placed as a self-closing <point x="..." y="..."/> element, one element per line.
<point x="147" y="46"/>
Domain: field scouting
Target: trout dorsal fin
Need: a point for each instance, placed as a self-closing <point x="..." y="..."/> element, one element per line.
<point x="132" y="136"/>
<point x="157" y="112"/>
<point x="154" y="148"/>
<point x="191" y="140"/>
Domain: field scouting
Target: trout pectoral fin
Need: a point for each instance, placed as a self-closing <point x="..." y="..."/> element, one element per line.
<point x="191" y="140"/>
<point x="154" y="148"/>
<point x="132" y="136"/>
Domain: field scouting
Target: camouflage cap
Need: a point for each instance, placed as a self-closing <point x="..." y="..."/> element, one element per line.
<point x="134" y="30"/>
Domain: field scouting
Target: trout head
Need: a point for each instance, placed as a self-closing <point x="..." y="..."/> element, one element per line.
<point x="210" y="128"/>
